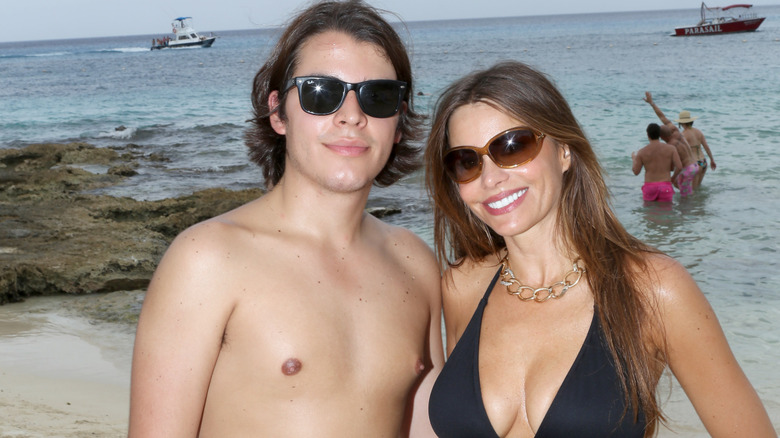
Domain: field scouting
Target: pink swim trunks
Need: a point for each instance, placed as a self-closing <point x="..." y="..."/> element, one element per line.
<point x="661" y="191"/>
<point x="685" y="179"/>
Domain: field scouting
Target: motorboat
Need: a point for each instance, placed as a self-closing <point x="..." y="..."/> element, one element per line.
<point x="727" y="19"/>
<point x="183" y="36"/>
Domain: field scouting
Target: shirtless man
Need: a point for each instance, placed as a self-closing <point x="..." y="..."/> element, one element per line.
<point x="298" y="314"/>
<point x="682" y="179"/>
<point x="696" y="140"/>
<point x="658" y="159"/>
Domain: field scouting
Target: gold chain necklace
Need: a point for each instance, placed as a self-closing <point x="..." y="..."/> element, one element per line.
<point x="541" y="294"/>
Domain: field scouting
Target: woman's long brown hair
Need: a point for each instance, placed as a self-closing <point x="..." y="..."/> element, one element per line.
<point x="586" y="221"/>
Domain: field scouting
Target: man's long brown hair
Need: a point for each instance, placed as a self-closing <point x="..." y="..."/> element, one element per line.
<point x="586" y="222"/>
<point x="361" y="22"/>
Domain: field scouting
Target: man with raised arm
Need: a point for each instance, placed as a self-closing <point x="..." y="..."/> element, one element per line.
<point x="299" y="314"/>
<point x="684" y="178"/>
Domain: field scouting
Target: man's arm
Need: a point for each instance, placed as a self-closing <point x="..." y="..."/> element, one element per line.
<point x="676" y="162"/>
<point x="428" y="269"/>
<point x="421" y="424"/>
<point x="677" y="166"/>
<point x="658" y="112"/>
<point x="636" y="162"/>
<point x="179" y="337"/>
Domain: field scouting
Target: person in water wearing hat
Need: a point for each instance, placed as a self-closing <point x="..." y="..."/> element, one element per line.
<point x="683" y="180"/>
<point x="696" y="141"/>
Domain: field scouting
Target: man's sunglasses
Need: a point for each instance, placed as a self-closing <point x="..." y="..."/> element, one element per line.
<point x="380" y="98"/>
<point x="511" y="148"/>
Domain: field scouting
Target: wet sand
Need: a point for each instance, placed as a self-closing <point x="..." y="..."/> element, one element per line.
<point x="62" y="372"/>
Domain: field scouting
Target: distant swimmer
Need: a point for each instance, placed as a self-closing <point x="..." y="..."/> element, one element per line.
<point x="684" y="178"/>
<point x="659" y="161"/>
<point x="696" y="140"/>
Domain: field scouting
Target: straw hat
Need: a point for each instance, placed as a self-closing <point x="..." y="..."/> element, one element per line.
<point x="685" y="117"/>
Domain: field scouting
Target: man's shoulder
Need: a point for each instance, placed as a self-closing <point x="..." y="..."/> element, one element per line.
<point x="410" y="248"/>
<point x="650" y="147"/>
<point x="653" y="148"/>
<point x="404" y="246"/>
<point x="396" y="236"/>
<point x="666" y="147"/>
<point x="229" y="224"/>
<point x="211" y="240"/>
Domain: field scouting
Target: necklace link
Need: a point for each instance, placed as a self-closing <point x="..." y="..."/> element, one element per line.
<point x="540" y="294"/>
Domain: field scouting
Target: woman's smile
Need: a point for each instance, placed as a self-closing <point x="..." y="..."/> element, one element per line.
<point x="504" y="202"/>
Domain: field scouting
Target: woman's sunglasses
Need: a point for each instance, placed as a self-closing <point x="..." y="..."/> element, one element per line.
<point x="380" y="98"/>
<point x="511" y="148"/>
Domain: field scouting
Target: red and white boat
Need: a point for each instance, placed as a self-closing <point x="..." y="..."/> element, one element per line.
<point x="728" y="19"/>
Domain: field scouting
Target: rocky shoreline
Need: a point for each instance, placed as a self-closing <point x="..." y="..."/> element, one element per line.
<point x="55" y="237"/>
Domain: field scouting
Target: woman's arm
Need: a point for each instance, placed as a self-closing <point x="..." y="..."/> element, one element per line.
<point x="709" y="152"/>
<point x="701" y="359"/>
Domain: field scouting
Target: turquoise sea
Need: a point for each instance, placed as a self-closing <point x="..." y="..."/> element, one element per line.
<point x="190" y="105"/>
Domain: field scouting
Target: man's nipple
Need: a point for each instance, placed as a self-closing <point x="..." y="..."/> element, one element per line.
<point x="419" y="367"/>
<point x="291" y="366"/>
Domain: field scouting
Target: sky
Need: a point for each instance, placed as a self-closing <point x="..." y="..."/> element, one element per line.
<point x="26" y="20"/>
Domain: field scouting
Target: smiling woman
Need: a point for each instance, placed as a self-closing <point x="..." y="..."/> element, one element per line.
<point x="600" y="314"/>
<point x="81" y="90"/>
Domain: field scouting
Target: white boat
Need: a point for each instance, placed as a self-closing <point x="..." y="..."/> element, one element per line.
<point x="183" y="36"/>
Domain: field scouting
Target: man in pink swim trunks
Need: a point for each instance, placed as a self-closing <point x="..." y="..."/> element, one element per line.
<point x="684" y="176"/>
<point x="659" y="160"/>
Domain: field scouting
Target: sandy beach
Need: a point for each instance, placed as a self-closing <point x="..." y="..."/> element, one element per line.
<point x="65" y="370"/>
<point x="63" y="373"/>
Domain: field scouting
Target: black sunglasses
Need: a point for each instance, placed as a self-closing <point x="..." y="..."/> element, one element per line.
<point x="380" y="98"/>
<point x="511" y="148"/>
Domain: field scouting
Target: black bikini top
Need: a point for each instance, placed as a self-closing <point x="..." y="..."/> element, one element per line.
<point x="589" y="402"/>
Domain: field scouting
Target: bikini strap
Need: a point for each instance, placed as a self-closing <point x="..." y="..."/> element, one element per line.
<point x="492" y="284"/>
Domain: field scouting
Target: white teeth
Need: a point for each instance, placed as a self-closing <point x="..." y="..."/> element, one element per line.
<point x="501" y="203"/>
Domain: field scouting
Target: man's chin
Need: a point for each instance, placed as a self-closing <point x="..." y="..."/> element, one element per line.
<point x="347" y="184"/>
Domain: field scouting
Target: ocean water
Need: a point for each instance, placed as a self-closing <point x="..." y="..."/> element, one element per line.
<point x="190" y="105"/>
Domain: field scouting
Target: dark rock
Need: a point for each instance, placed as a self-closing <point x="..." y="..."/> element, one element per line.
<point x="123" y="170"/>
<point x="54" y="238"/>
<point x="381" y="212"/>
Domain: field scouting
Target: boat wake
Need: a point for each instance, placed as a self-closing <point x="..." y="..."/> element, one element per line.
<point x="124" y="50"/>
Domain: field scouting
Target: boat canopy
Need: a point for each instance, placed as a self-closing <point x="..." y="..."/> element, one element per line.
<point x="716" y="14"/>
<point x="182" y="26"/>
